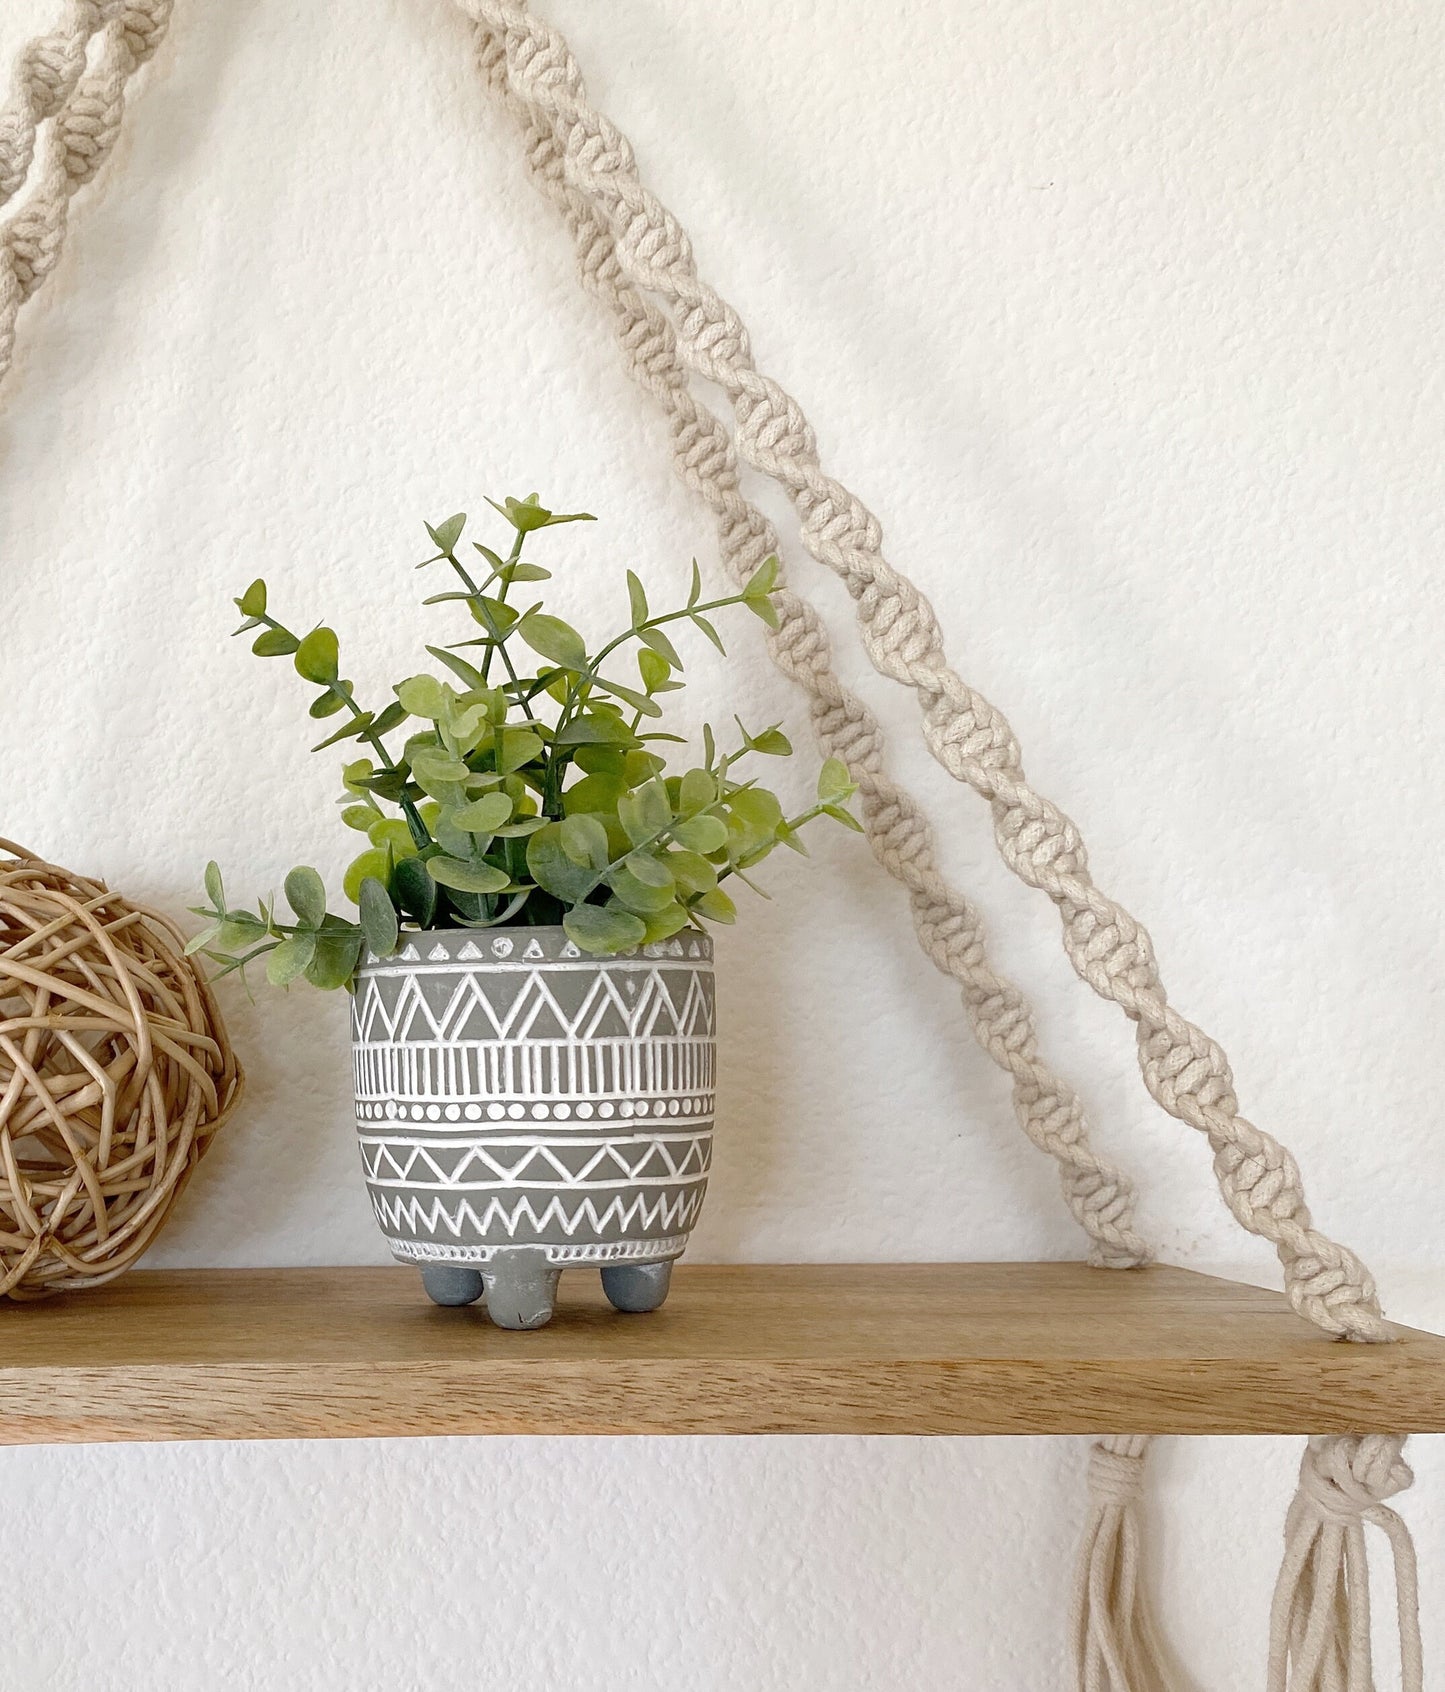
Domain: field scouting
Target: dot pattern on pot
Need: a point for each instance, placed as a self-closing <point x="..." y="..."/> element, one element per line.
<point x="513" y="1091"/>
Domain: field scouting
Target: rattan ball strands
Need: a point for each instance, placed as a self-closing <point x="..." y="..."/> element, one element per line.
<point x="115" y="1074"/>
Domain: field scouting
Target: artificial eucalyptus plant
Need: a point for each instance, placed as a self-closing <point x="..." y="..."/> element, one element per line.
<point x="530" y="786"/>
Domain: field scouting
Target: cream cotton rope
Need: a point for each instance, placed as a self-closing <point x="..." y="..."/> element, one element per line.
<point x="1184" y="1070"/>
<point x="51" y="83"/>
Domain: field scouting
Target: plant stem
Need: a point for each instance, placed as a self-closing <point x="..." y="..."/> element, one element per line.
<point x="499" y="642"/>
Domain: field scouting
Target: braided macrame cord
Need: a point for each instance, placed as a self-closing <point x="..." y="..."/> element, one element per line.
<point x="73" y="80"/>
<point x="632" y="251"/>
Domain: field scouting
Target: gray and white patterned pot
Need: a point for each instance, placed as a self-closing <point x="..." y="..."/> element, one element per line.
<point x="522" y="1106"/>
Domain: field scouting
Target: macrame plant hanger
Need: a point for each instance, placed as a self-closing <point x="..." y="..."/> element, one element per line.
<point x="635" y="257"/>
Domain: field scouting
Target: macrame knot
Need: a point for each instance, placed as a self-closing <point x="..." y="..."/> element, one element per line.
<point x="1116" y="1478"/>
<point x="1347" y="1477"/>
<point x="143" y="23"/>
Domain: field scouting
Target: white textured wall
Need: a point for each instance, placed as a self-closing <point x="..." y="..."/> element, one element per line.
<point x="1125" y="315"/>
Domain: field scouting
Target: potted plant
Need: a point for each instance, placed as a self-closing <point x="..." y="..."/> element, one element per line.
<point x="530" y="967"/>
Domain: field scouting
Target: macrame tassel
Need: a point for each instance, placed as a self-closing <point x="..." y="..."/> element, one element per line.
<point x="1319" y="1625"/>
<point x="1116" y="1644"/>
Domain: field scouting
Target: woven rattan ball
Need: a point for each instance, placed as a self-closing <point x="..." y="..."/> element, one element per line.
<point x="115" y="1073"/>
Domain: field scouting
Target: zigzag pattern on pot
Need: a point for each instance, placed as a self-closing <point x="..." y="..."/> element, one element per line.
<point x="671" y="1213"/>
<point x="629" y="1001"/>
<point x="596" y="1162"/>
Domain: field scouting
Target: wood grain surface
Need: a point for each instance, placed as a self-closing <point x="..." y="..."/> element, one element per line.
<point x="960" y="1348"/>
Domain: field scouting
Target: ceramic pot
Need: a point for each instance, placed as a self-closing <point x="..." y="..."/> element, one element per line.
<point x="523" y="1107"/>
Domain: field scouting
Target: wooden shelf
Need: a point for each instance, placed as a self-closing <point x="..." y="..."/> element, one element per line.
<point x="967" y="1348"/>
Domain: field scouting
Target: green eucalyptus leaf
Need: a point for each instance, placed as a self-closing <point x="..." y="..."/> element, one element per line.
<point x="553" y="639"/>
<point x="415" y="891"/>
<point x="334" y="961"/>
<point x="600" y="759"/>
<point x="645" y="813"/>
<point x="658" y="642"/>
<point x="651" y="869"/>
<point x="241" y="928"/>
<point x="456" y="842"/>
<point x="715" y="906"/>
<point x="391" y="832"/>
<point x="763" y="580"/>
<point x="495" y="615"/>
<point x="458" y="666"/>
<point x="378" y="917"/>
<point x="584" y="840"/>
<point x="519" y="746"/>
<point x="386" y="784"/>
<point x="773" y="742"/>
<point x="215" y="890"/>
<point x="389" y="717"/>
<point x="765" y="609"/>
<point x="661" y="925"/>
<point x="446" y="535"/>
<point x="352" y="729"/>
<point x="839" y="814"/>
<point x="327" y="704"/>
<point x="636" y="894"/>
<point x="520" y="572"/>
<point x="701" y="834"/>
<point x="654" y="669"/>
<point x="637" y="599"/>
<point x="757" y="808"/>
<point x="252" y="602"/>
<point x="467" y="877"/>
<point x="198" y="942"/>
<point x="599" y="792"/>
<point x="710" y="632"/>
<point x="306" y="895"/>
<point x="793" y="839"/>
<point x="639" y="766"/>
<point x="317" y="656"/>
<point x="691" y="871"/>
<point x="422" y="696"/>
<point x="433" y="765"/>
<point x="638" y="701"/>
<point x="467" y="724"/>
<point x="594" y="728"/>
<point x="694" y="593"/>
<point x="834" y="782"/>
<point x="483" y="816"/>
<point x="527" y="514"/>
<point x="603" y="928"/>
<point x="290" y="958"/>
<point x="274" y="643"/>
<point x="522" y="826"/>
<point x="696" y="791"/>
<point x="376" y="862"/>
<point x="553" y="870"/>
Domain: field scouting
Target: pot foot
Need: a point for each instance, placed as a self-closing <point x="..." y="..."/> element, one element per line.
<point x="521" y="1289"/>
<point x="636" y="1287"/>
<point x="451" y="1283"/>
